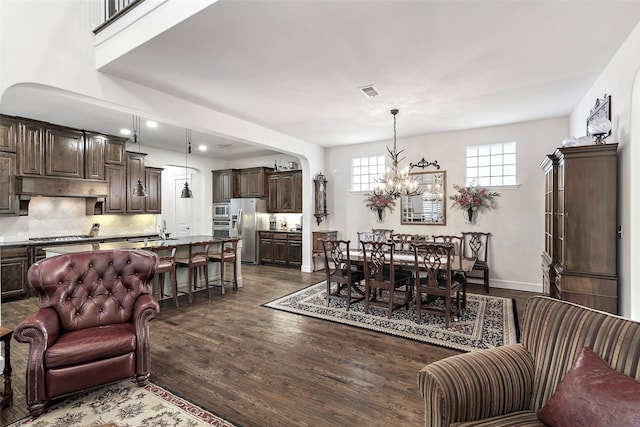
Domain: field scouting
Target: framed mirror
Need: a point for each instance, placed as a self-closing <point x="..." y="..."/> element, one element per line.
<point x="429" y="208"/>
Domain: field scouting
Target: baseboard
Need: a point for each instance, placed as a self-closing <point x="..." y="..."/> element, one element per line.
<point x="517" y="286"/>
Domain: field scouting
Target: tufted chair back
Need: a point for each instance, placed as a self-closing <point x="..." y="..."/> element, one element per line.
<point x="92" y="327"/>
<point x="91" y="289"/>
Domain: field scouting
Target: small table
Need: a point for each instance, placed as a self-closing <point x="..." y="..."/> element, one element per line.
<point x="7" y="394"/>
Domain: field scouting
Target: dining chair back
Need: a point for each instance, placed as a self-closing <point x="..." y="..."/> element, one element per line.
<point x="476" y="245"/>
<point x="364" y="236"/>
<point x="402" y="242"/>
<point x="434" y="279"/>
<point x="166" y="264"/>
<point x="458" y="272"/>
<point x="197" y="262"/>
<point x="382" y="234"/>
<point x="380" y="274"/>
<point x="226" y="254"/>
<point x="343" y="277"/>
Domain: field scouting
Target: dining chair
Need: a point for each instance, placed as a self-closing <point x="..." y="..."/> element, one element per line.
<point x="459" y="274"/>
<point x="476" y="245"/>
<point x="434" y="279"/>
<point x="341" y="273"/>
<point x="403" y="242"/>
<point x="226" y="253"/>
<point x="380" y="274"/>
<point x="197" y="260"/>
<point x="364" y="236"/>
<point x="167" y="264"/>
<point x="382" y="234"/>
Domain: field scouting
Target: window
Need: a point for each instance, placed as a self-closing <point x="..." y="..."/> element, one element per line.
<point x="365" y="171"/>
<point x="491" y="164"/>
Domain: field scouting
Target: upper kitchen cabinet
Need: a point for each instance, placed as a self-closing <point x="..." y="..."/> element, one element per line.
<point x="94" y="146"/>
<point x="64" y="153"/>
<point x="8" y="134"/>
<point x="285" y="192"/>
<point x="114" y="151"/>
<point x="116" y="201"/>
<point x="8" y="200"/>
<point x="153" y="182"/>
<point x="31" y="148"/>
<point x="253" y="182"/>
<point x="225" y="185"/>
<point x="135" y="172"/>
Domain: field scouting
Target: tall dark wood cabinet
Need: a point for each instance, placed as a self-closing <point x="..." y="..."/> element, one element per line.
<point x="225" y="185"/>
<point x="579" y="262"/>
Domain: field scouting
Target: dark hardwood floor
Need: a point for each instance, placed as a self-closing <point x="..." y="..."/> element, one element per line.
<point x="261" y="367"/>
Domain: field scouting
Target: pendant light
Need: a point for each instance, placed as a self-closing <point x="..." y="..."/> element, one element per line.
<point x="138" y="189"/>
<point x="395" y="182"/>
<point x="186" y="191"/>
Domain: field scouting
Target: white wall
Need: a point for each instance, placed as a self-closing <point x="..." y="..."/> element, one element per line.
<point x="516" y="226"/>
<point x="617" y="80"/>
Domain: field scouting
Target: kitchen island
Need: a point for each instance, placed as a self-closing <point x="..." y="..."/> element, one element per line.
<point x="181" y="242"/>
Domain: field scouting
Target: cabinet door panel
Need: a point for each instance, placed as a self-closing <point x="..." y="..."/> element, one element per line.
<point x="8" y="135"/>
<point x="64" y="153"/>
<point x="114" y="151"/>
<point x="7" y="183"/>
<point x="31" y="150"/>
<point x="94" y="157"/>
<point x="153" y="178"/>
<point x="135" y="172"/>
<point x="116" y="198"/>
<point x="14" y="276"/>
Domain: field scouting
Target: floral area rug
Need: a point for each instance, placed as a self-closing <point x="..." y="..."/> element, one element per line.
<point x="125" y="404"/>
<point x="486" y="322"/>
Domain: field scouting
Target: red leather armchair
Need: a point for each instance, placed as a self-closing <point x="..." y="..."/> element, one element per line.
<point x="92" y="327"/>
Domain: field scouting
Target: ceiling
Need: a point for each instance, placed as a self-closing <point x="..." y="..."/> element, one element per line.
<point x="296" y="67"/>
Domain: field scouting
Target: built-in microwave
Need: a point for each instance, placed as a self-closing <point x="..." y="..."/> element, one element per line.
<point x="221" y="211"/>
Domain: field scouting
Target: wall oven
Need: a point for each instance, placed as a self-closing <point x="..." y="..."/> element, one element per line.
<point x="221" y="211"/>
<point x="221" y="227"/>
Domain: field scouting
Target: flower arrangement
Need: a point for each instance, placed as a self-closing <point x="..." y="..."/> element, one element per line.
<point x="376" y="201"/>
<point x="473" y="198"/>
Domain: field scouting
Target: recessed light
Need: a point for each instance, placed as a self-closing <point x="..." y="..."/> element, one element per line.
<point x="202" y="147"/>
<point x="125" y="131"/>
<point x="152" y="124"/>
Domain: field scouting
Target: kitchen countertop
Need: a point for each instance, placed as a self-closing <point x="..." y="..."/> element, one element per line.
<point x="43" y="243"/>
<point x="95" y="246"/>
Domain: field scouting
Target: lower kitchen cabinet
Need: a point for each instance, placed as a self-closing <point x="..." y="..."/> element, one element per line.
<point x="14" y="263"/>
<point x="280" y="247"/>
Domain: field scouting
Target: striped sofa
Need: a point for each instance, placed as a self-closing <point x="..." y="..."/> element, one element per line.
<point x="506" y="386"/>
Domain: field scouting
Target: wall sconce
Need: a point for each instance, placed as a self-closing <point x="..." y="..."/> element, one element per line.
<point x="320" y="183"/>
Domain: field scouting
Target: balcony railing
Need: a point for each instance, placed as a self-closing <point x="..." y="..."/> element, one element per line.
<point x="114" y="9"/>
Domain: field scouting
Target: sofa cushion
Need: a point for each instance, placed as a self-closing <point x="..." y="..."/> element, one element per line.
<point x="593" y="393"/>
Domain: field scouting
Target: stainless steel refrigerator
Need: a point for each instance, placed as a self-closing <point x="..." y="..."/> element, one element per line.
<point x="245" y="219"/>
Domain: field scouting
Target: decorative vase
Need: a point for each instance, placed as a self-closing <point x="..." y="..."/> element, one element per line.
<point x="380" y="212"/>
<point x="471" y="216"/>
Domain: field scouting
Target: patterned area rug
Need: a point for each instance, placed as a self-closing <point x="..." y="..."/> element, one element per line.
<point x="487" y="321"/>
<point x="125" y="404"/>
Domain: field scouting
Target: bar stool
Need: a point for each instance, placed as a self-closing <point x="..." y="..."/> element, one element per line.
<point x="227" y="254"/>
<point x="197" y="260"/>
<point x="167" y="264"/>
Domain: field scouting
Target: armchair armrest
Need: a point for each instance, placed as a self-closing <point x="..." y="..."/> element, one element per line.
<point x="40" y="330"/>
<point x="477" y="385"/>
<point x="145" y="309"/>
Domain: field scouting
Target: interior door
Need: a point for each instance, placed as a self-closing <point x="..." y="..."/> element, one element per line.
<point x="184" y="207"/>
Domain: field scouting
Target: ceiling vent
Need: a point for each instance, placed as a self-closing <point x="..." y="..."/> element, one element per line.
<point x="369" y="91"/>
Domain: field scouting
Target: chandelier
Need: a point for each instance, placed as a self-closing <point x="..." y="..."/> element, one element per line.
<point x="186" y="191"/>
<point x="395" y="182"/>
<point x="138" y="189"/>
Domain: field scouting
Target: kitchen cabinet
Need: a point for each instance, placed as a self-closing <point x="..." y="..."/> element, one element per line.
<point x="115" y="202"/>
<point x="8" y="134"/>
<point x="114" y="151"/>
<point x="579" y="260"/>
<point x="94" y="156"/>
<point x="14" y="262"/>
<point x="30" y="149"/>
<point x="281" y="248"/>
<point x="317" y="251"/>
<point x="64" y="153"/>
<point x="153" y="182"/>
<point x="135" y="172"/>
<point x="285" y="192"/>
<point x="253" y="182"/>
<point x="8" y="200"/>
<point x="225" y="185"/>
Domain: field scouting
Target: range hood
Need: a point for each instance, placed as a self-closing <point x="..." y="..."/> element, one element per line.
<point x="60" y="187"/>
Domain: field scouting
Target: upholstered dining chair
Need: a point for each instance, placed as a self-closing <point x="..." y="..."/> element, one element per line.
<point x="92" y="327"/>
<point x="343" y="277"/>
<point x="167" y="264"/>
<point x="382" y="234"/>
<point x="380" y="274"/>
<point x="226" y="254"/>
<point x="434" y="279"/>
<point x="476" y="245"/>
<point x="459" y="275"/>
<point x="196" y="260"/>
